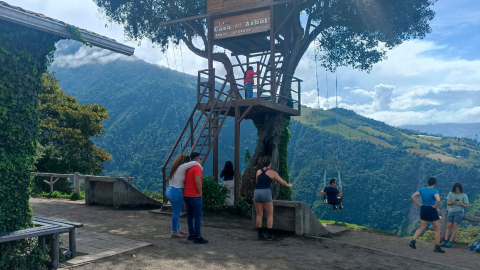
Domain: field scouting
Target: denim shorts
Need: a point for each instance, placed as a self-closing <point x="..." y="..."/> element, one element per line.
<point x="455" y="217"/>
<point x="262" y="195"/>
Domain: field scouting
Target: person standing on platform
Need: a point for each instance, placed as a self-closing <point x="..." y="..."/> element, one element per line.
<point x="176" y="181"/>
<point x="193" y="200"/>
<point x="248" y="82"/>
<point x="262" y="196"/>
<point x="228" y="174"/>
<point x="458" y="202"/>
<point x="428" y="212"/>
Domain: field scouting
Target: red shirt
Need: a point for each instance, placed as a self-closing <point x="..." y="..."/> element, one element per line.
<point x="190" y="187"/>
<point x="249" y="76"/>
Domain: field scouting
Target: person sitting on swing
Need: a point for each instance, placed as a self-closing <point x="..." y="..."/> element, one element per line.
<point x="334" y="197"/>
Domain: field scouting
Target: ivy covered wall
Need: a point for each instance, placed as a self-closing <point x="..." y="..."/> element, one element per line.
<point x="24" y="56"/>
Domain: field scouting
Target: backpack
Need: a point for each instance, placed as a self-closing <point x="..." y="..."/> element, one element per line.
<point x="475" y="246"/>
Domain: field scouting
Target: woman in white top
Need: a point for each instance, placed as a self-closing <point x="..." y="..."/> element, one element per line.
<point x="176" y="180"/>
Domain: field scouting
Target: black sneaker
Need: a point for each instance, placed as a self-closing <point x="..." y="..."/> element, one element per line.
<point x="340" y="208"/>
<point x="334" y="208"/>
<point x="191" y="237"/>
<point x="438" y="249"/>
<point x="270" y="237"/>
<point x="412" y="244"/>
<point x="200" y="240"/>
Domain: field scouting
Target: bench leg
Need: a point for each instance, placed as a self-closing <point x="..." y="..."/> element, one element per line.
<point x="41" y="239"/>
<point x="55" y="252"/>
<point x="71" y="243"/>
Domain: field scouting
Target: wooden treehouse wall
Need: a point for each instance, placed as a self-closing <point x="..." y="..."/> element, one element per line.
<point x="217" y="5"/>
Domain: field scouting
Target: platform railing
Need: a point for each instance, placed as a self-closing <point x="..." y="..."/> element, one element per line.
<point x="264" y="88"/>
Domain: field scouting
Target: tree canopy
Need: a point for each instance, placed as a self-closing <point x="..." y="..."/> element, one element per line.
<point x="66" y="132"/>
<point x="350" y="32"/>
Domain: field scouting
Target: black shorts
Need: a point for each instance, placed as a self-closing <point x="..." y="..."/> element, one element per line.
<point x="428" y="213"/>
<point x="335" y="201"/>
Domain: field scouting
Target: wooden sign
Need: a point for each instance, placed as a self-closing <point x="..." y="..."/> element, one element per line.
<point x="217" y="5"/>
<point x="240" y="25"/>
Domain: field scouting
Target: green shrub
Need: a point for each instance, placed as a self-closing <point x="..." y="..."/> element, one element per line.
<point x="214" y="194"/>
<point x="154" y="195"/>
<point x="22" y="254"/>
<point x="244" y="209"/>
<point x="57" y="194"/>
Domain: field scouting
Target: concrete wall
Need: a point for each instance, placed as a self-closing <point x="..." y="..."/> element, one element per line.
<point x="126" y="196"/>
<point x="294" y="217"/>
<point x="97" y="192"/>
<point x="117" y="193"/>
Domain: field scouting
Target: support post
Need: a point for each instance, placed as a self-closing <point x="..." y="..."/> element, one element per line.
<point x="51" y="183"/>
<point x="237" y="157"/>
<point x="41" y="239"/>
<point x="76" y="183"/>
<point x="55" y="251"/>
<point x="72" y="246"/>
<point x="259" y="91"/>
<point x="273" y="89"/>
<point x="443" y="223"/>
<point x="215" y="150"/>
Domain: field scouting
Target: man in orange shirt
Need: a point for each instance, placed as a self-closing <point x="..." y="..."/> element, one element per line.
<point x="193" y="200"/>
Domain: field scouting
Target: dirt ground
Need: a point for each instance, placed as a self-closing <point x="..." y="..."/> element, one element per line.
<point x="233" y="244"/>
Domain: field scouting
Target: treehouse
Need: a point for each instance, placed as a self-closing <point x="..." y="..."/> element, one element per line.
<point x="249" y="30"/>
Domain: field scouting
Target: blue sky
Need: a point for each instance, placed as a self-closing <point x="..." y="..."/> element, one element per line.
<point x="435" y="80"/>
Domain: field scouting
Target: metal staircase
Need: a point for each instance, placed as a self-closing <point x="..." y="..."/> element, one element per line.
<point x="203" y="125"/>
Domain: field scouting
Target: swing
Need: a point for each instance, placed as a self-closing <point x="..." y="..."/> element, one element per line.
<point x="339" y="179"/>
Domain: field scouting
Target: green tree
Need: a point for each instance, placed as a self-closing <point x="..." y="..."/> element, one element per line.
<point x="66" y="131"/>
<point x="350" y="33"/>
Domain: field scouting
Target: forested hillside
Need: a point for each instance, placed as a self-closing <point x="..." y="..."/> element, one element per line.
<point x="381" y="166"/>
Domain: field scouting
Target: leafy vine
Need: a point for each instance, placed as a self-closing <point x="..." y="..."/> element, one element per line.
<point x="77" y="34"/>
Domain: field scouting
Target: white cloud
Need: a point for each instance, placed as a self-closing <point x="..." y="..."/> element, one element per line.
<point x="86" y="55"/>
<point x="311" y="99"/>
<point x="362" y="92"/>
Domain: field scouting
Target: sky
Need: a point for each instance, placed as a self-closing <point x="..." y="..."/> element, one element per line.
<point x="429" y="81"/>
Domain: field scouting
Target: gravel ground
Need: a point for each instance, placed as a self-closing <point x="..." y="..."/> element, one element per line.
<point x="233" y="244"/>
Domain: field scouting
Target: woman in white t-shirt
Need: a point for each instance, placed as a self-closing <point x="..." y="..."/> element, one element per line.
<point x="176" y="181"/>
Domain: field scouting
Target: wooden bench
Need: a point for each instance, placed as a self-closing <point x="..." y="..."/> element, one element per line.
<point x="47" y="228"/>
<point x="72" y="252"/>
<point x="41" y="232"/>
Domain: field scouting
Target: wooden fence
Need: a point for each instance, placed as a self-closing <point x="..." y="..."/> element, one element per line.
<point x="444" y="221"/>
<point x="76" y="179"/>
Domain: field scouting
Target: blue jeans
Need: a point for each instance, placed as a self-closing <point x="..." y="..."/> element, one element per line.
<point x="195" y="214"/>
<point x="249" y="90"/>
<point x="175" y="196"/>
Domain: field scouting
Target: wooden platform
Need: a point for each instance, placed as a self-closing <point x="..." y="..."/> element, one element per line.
<point x="258" y="106"/>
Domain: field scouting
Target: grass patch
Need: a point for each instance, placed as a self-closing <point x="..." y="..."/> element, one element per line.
<point x="373" y="132"/>
<point x="356" y="227"/>
<point x="464" y="235"/>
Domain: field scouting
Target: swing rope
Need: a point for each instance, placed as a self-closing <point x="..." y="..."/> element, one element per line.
<point x="336" y="98"/>
<point x="177" y="123"/>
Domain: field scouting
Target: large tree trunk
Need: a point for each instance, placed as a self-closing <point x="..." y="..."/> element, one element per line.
<point x="270" y="128"/>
